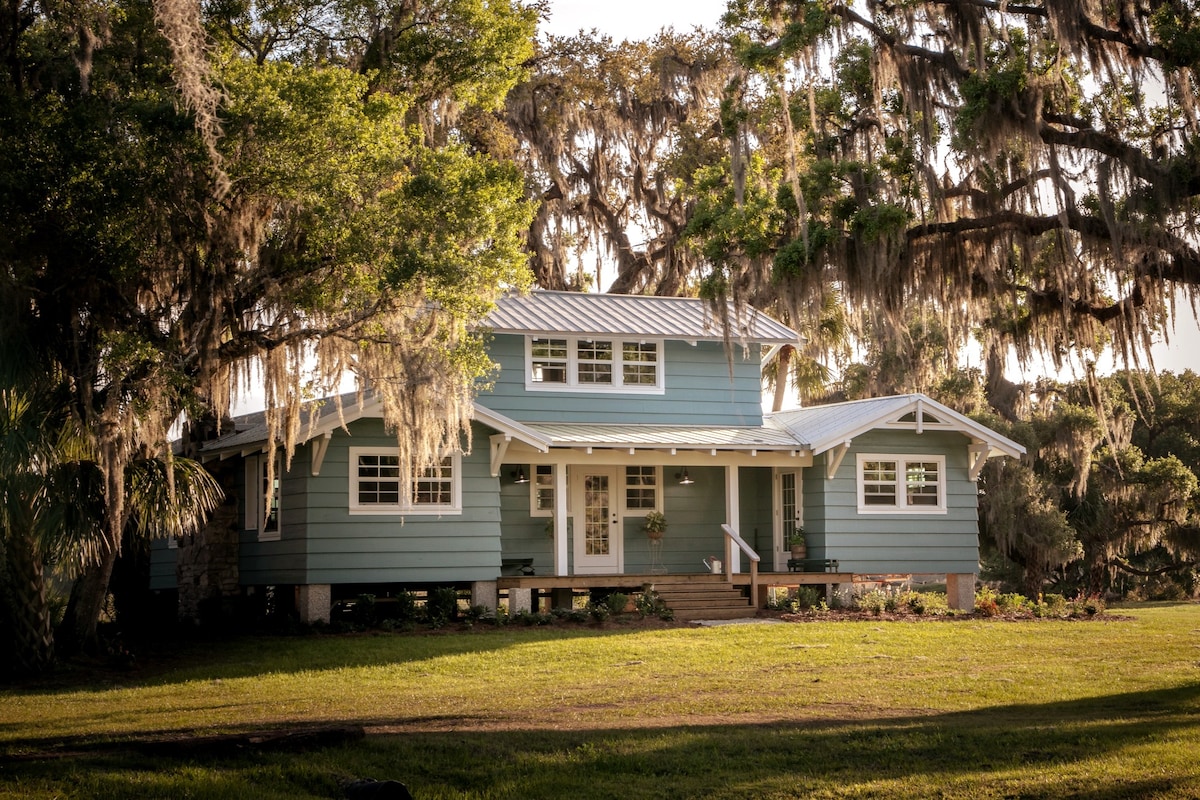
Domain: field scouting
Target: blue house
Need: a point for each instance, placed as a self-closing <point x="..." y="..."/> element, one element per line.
<point x="607" y="408"/>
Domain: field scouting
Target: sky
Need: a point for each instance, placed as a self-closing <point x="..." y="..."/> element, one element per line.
<point x="631" y="19"/>
<point x="641" y="19"/>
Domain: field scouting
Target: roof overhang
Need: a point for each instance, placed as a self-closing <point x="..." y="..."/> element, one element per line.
<point x="834" y="426"/>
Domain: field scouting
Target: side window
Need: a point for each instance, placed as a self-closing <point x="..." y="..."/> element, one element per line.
<point x="375" y="485"/>
<point x="890" y="484"/>
<point x="879" y="483"/>
<point x="541" y="491"/>
<point x="641" y="488"/>
<point x="258" y="517"/>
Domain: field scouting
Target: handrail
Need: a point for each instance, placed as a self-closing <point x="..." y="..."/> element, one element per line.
<point x="733" y="536"/>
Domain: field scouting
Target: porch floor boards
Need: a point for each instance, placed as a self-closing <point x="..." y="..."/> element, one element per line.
<point x="638" y="581"/>
<point x="691" y="596"/>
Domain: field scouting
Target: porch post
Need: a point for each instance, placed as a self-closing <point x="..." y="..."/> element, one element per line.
<point x="560" y="519"/>
<point x="733" y="553"/>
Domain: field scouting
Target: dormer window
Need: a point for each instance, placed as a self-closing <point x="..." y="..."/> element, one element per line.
<point x="594" y="365"/>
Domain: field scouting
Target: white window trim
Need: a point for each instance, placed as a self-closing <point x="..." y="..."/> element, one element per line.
<point x="534" y="511"/>
<point x="658" y="494"/>
<point x="403" y="508"/>
<point x="256" y="497"/>
<point x="901" y="506"/>
<point x="618" y="386"/>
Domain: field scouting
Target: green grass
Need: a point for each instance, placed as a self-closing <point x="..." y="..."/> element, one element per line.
<point x="967" y="708"/>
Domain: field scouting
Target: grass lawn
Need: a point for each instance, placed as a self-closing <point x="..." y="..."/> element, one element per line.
<point x="957" y="709"/>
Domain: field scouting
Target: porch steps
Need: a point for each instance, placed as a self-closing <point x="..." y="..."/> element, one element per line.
<point x="703" y="597"/>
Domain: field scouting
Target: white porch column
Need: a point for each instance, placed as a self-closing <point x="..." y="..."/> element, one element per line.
<point x="733" y="553"/>
<point x="560" y="519"/>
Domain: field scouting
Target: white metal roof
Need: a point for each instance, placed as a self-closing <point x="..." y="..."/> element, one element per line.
<point x="589" y="314"/>
<point x="249" y="433"/>
<point x="824" y="427"/>
<point x="683" y="437"/>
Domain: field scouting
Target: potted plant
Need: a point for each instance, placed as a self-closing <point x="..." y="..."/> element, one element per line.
<point x="798" y="543"/>
<point x="655" y="524"/>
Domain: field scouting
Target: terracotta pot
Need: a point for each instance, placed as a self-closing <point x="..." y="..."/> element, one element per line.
<point x="799" y="551"/>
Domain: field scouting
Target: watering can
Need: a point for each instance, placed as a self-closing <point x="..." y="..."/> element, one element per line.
<point x="712" y="564"/>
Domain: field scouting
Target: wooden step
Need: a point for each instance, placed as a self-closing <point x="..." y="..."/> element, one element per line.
<point x="704" y="597"/>
<point x="693" y="614"/>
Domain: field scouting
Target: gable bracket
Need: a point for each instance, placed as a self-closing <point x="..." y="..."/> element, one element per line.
<point x="834" y="459"/>
<point x="498" y="447"/>
<point x="977" y="454"/>
<point x="320" y="446"/>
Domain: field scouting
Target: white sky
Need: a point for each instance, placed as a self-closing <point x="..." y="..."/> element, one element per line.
<point x="631" y="19"/>
<point x="641" y="19"/>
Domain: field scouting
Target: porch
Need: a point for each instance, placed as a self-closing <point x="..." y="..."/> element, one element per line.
<point x="690" y="595"/>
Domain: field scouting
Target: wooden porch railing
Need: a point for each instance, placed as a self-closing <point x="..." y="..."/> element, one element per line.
<point x="733" y="536"/>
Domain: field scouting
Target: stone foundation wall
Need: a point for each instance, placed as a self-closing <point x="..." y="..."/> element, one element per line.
<point x="207" y="567"/>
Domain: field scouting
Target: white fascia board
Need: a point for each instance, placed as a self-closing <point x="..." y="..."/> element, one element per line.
<point x="510" y="428"/>
<point x="952" y="421"/>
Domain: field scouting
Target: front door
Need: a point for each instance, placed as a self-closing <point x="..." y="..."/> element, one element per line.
<point x="789" y="514"/>
<point x="597" y="522"/>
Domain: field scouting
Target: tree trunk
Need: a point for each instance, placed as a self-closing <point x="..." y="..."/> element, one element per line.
<point x="782" y="364"/>
<point x="29" y="616"/>
<point x="86" y="605"/>
<point x="1002" y="394"/>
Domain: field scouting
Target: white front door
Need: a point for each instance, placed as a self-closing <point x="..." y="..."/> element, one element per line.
<point x="597" y="525"/>
<point x="789" y="514"/>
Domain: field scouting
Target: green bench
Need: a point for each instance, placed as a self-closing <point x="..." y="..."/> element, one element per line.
<point x="812" y="565"/>
<point x="516" y="566"/>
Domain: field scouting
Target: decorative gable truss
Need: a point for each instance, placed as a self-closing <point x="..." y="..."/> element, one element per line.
<point x="832" y="429"/>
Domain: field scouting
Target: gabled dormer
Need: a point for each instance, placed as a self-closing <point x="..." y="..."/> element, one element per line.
<point x="581" y="357"/>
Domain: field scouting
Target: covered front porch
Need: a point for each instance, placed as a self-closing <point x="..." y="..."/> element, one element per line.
<point x="574" y="498"/>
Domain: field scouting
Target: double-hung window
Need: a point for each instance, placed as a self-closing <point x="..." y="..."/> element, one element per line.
<point x="376" y="486"/>
<point x="260" y="517"/>
<point x="893" y="484"/>
<point x="594" y="364"/>
<point x="541" y="491"/>
<point x="641" y="488"/>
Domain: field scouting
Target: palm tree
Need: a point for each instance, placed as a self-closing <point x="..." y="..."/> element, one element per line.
<point x="52" y="511"/>
<point x="47" y="500"/>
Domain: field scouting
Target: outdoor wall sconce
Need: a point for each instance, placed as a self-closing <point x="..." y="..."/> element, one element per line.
<point x="519" y="475"/>
<point x="683" y="478"/>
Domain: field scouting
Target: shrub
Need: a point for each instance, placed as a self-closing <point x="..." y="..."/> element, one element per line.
<point x="616" y="603"/>
<point x="531" y="618"/>
<point x="405" y="609"/>
<point x="807" y="597"/>
<point x="649" y="604"/>
<point x="986" y="603"/>
<point x="1050" y="605"/>
<point x="442" y="606"/>
<point x="873" y="601"/>
<point x="933" y="604"/>
<point x="1013" y="603"/>
<point x="362" y="614"/>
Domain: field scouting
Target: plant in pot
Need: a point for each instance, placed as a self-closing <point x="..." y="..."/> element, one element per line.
<point x="798" y="543"/>
<point x="655" y="524"/>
